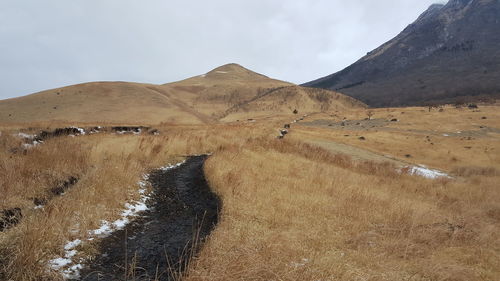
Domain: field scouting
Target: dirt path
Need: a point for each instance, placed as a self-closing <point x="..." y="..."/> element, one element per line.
<point x="158" y="244"/>
<point x="357" y="153"/>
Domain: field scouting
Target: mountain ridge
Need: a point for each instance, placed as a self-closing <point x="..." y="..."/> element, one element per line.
<point x="448" y="53"/>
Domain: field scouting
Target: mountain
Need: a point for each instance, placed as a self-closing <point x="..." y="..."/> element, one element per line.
<point x="227" y="93"/>
<point x="451" y="52"/>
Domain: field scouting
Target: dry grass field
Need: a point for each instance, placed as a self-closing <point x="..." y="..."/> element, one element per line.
<point x="293" y="209"/>
<point x="204" y="99"/>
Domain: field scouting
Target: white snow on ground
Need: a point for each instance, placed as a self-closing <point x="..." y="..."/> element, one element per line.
<point x="24" y="135"/>
<point x="95" y="130"/>
<point x="425" y="172"/>
<point x="69" y="268"/>
<point x="32" y="144"/>
<point x="128" y="132"/>
<point x="223" y="72"/>
<point x="80" y="130"/>
<point x="58" y="263"/>
<point x="28" y="137"/>
<point x="72" y="244"/>
<point x="103" y="231"/>
<point x="170" y="166"/>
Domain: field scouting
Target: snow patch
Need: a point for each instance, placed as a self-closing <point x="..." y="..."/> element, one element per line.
<point x="170" y="166"/>
<point x="425" y="172"/>
<point x="80" y="130"/>
<point x="24" y="135"/>
<point x="59" y="263"/>
<point x="65" y="265"/>
<point x="72" y="244"/>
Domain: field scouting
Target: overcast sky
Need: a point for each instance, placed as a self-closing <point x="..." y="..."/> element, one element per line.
<point x="52" y="43"/>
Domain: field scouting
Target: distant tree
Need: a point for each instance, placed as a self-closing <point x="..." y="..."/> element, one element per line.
<point x="295" y="111"/>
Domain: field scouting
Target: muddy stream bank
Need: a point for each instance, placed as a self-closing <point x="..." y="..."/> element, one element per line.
<point x="158" y="243"/>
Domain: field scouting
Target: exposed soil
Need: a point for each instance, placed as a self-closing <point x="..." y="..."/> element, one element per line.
<point x="158" y="244"/>
<point x="357" y="153"/>
<point x="9" y="218"/>
<point x="44" y="135"/>
<point x="382" y="125"/>
<point x="352" y="125"/>
<point x="129" y="129"/>
<point x="55" y="191"/>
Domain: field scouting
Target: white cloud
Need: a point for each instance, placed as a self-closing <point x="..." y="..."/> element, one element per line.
<point x="46" y="44"/>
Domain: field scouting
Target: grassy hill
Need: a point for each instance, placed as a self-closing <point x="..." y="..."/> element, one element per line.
<point x="224" y="93"/>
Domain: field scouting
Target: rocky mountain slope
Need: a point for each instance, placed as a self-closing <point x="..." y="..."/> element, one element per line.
<point x="451" y="52"/>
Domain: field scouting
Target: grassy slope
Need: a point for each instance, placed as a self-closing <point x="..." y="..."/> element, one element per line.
<point x="117" y="102"/>
<point x="198" y="100"/>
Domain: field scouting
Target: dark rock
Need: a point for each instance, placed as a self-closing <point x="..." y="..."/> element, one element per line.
<point x="362" y="138"/>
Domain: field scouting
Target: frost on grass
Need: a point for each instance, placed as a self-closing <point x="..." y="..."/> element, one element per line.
<point x="69" y="265"/>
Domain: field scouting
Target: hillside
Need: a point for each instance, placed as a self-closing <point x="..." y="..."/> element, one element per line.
<point x="115" y="102"/>
<point x="449" y="53"/>
<point x="203" y="99"/>
<point x="283" y="100"/>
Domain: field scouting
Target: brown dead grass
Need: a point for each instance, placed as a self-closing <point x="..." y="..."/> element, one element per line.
<point x="108" y="166"/>
<point x="294" y="212"/>
<point x="419" y="133"/>
<point x="291" y="211"/>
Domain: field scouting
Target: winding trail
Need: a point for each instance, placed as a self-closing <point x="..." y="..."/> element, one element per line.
<point x="159" y="243"/>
